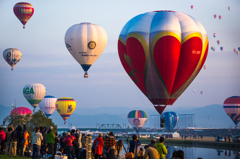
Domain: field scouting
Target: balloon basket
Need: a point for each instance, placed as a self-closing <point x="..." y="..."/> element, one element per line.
<point x="34" y="110"/>
<point x="12" y="69"/>
<point x="24" y="27"/>
<point x="86" y="75"/>
<point x="65" y="122"/>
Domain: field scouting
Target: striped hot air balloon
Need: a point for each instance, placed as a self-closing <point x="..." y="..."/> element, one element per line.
<point x="137" y="118"/>
<point x="171" y="119"/>
<point x="65" y="106"/>
<point x="23" y="11"/>
<point x="47" y="105"/>
<point x="232" y="107"/>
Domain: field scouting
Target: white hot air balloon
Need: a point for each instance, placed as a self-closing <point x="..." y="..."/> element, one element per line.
<point x="86" y="42"/>
<point x="34" y="93"/>
<point x="47" y="105"/>
<point x="12" y="56"/>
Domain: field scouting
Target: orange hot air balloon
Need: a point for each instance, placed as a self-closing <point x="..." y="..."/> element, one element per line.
<point x="162" y="52"/>
<point x="23" y="12"/>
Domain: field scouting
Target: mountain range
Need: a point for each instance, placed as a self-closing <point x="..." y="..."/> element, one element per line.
<point x="210" y="116"/>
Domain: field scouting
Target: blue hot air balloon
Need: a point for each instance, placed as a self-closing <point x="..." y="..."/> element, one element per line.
<point x="171" y="120"/>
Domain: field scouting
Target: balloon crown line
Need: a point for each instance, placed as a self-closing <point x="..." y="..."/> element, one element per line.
<point x="163" y="11"/>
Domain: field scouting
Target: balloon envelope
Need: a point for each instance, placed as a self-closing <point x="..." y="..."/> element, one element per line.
<point x="214" y="35"/>
<point x="34" y="93"/>
<point x="238" y="48"/>
<point x="218" y="42"/>
<point x="229" y="8"/>
<point x="221" y="48"/>
<point x="191" y="6"/>
<point x="23" y="11"/>
<point x="215" y="16"/>
<point x="232" y="107"/>
<point x="137" y="118"/>
<point x="220" y="17"/>
<point x="65" y="106"/>
<point x="47" y="105"/>
<point x="163" y="52"/>
<point x="171" y="119"/>
<point x="21" y="111"/>
<point x="86" y="42"/>
<point x="12" y="56"/>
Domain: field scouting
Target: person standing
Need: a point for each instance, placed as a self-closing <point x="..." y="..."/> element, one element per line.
<point x="150" y="152"/>
<point x="2" y="138"/>
<point x="20" y="139"/>
<point x="26" y="136"/>
<point x="162" y="150"/>
<point x="36" y="142"/>
<point x="84" y="138"/>
<point x="134" y="144"/>
<point x="110" y="146"/>
<point x="153" y="143"/>
<point x="70" y="149"/>
<point x="98" y="144"/>
<point x="50" y="139"/>
<point x="13" y="143"/>
<point x="8" y="138"/>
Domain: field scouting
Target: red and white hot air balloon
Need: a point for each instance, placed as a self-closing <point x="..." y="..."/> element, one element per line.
<point x="162" y="52"/>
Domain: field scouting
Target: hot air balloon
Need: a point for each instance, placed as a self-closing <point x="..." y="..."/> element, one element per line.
<point x="220" y="17"/>
<point x="205" y="67"/>
<point x="191" y="6"/>
<point x="235" y="50"/>
<point x="232" y="107"/>
<point x="171" y="120"/>
<point x="12" y="56"/>
<point x="137" y="118"/>
<point x="21" y="111"/>
<point x="238" y="48"/>
<point x="65" y="106"/>
<point x="213" y="48"/>
<point x="221" y="48"/>
<point x="162" y="52"/>
<point x="214" y="35"/>
<point x="218" y="42"/>
<point x="215" y="16"/>
<point x="34" y="93"/>
<point x="23" y="12"/>
<point x="86" y="42"/>
<point x="229" y="8"/>
<point x="47" y="105"/>
<point x="201" y="92"/>
<point x="194" y="91"/>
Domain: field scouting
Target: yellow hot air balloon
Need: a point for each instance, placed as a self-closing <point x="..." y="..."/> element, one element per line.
<point x="65" y="106"/>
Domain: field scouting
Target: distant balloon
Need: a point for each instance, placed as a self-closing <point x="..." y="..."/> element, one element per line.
<point x="213" y="48"/>
<point x="23" y="12"/>
<point x="238" y="48"/>
<point x="214" y="35"/>
<point x="171" y="120"/>
<point x="137" y="118"/>
<point x="34" y="93"/>
<point x="229" y="8"/>
<point x="12" y="56"/>
<point x="215" y="16"/>
<point x="161" y="57"/>
<point x="47" y="105"/>
<point x="220" y="17"/>
<point x="201" y="92"/>
<point x="205" y="67"/>
<point x="232" y="107"/>
<point x="194" y="91"/>
<point x="221" y="48"/>
<point x="218" y="42"/>
<point x="209" y="117"/>
<point x="191" y="6"/>
<point x="65" y="106"/>
<point x="86" y="42"/>
<point x="21" y="111"/>
<point x="235" y="50"/>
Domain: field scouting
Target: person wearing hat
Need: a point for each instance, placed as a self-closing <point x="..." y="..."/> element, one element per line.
<point x="150" y="153"/>
<point x="98" y="145"/>
<point x="153" y="143"/>
<point x="50" y="139"/>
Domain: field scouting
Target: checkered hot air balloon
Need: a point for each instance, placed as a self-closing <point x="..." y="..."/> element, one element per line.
<point x="137" y="118"/>
<point x="232" y="107"/>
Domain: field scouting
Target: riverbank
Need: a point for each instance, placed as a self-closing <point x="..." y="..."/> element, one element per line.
<point x="205" y="142"/>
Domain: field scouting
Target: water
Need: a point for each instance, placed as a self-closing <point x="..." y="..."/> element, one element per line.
<point x="194" y="152"/>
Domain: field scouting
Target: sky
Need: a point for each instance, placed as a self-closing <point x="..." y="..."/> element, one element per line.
<point x="46" y="60"/>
